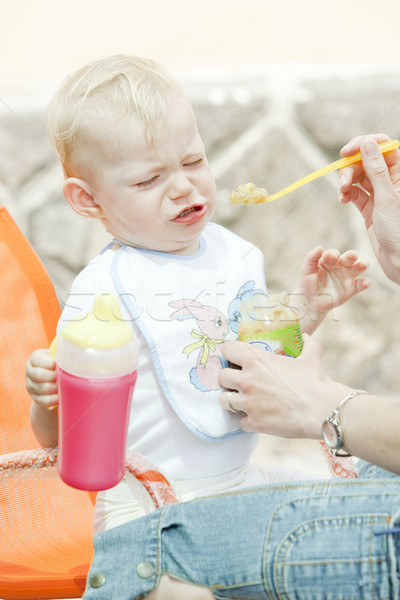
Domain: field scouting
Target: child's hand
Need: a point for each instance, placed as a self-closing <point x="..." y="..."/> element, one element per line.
<point x="328" y="279"/>
<point x="40" y="379"/>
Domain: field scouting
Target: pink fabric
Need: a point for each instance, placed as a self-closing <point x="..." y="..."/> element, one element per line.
<point x="42" y="463"/>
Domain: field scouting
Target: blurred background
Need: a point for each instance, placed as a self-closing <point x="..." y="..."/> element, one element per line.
<point x="278" y="88"/>
<point x="48" y="38"/>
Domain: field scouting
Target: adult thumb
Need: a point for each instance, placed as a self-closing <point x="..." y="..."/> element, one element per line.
<point x="375" y="167"/>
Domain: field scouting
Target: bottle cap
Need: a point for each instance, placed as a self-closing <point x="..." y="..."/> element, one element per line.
<point x="98" y="344"/>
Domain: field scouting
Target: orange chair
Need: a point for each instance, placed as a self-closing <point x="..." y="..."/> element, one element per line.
<point x="45" y="526"/>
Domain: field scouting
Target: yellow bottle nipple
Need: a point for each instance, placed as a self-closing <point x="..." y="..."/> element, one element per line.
<point x="103" y="327"/>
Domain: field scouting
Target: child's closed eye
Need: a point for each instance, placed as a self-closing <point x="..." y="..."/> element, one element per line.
<point x="148" y="182"/>
<point x="194" y="163"/>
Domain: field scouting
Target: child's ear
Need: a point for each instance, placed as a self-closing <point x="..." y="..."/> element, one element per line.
<point x="80" y="197"/>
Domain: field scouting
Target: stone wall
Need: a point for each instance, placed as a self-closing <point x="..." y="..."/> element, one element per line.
<point x="270" y="127"/>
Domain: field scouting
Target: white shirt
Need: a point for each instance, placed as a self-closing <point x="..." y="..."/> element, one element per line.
<point x="181" y="309"/>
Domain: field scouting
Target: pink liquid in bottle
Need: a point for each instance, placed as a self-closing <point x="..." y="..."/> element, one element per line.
<point x="93" y="427"/>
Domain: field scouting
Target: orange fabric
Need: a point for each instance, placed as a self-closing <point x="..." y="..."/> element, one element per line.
<point x="45" y="539"/>
<point x="340" y="466"/>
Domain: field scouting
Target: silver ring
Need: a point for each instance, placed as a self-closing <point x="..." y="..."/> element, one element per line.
<point x="228" y="402"/>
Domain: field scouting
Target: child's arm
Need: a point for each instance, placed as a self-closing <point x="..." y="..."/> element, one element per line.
<point x="40" y="380"/>
<point x="327" y="280"/>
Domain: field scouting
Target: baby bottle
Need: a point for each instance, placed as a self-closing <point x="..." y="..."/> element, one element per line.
<point x="269" y="322"/>
<point x="96" y="359"/>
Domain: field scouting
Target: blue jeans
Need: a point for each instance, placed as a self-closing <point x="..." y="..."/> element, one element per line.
<point x="325" y="540"/>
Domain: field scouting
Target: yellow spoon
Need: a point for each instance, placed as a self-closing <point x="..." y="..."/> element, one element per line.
<point x="248" y="193"/>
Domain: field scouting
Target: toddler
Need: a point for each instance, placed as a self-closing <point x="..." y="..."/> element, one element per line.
<point x="127" y="139"/>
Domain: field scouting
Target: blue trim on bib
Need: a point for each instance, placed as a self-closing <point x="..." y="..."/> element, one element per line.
<point x="110" y="245"/>
<point x="171" y="255"/>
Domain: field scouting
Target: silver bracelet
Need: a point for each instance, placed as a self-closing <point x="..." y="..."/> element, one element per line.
<point x="331" y="430"/>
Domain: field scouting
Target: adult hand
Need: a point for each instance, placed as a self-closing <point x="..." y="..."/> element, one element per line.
<point x="374" y="188"/>
<point x="279" y="395"/>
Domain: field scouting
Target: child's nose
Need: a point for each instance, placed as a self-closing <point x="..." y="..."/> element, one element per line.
<point x="180" y="186"/>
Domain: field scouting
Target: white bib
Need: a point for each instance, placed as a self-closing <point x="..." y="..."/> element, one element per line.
<point x="186" y="307"/>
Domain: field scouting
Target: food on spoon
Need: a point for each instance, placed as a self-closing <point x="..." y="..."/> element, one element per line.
<point x="248" y="193"/>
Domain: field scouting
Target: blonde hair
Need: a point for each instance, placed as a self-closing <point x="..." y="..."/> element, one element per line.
<point x="121" y="83"/>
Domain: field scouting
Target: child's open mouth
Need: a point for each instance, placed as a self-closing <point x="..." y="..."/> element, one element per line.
<point x="192" y="214"/>
<point x="188" y="211"/>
